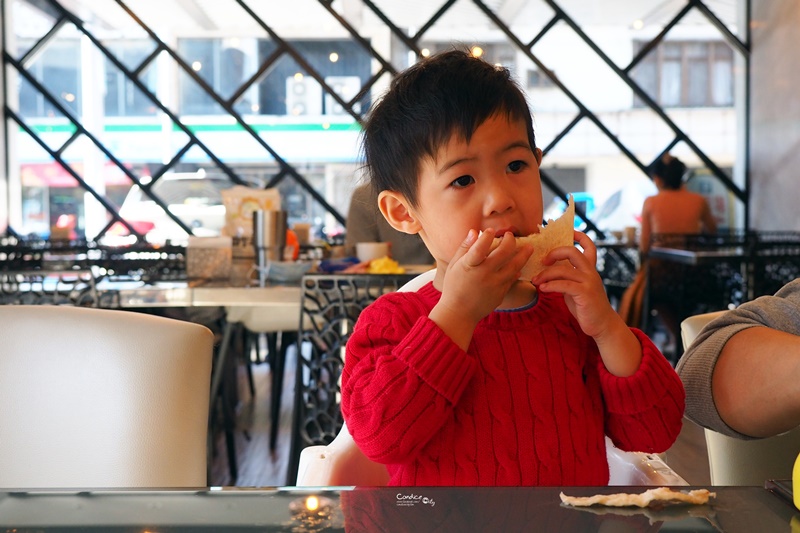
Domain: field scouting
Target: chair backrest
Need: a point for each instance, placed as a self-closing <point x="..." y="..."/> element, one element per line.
<point x="419" y="281"/>
<point x="692" y="326"/>
<point x="341" y="463"/>
<point x="98" y="398"/>
<point x="734" y="461"/>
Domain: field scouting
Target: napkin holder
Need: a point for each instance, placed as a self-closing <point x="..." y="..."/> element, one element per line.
<point x="209" y="258"/>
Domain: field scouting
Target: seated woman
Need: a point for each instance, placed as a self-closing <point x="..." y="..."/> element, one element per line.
<point x="674" y="210"/>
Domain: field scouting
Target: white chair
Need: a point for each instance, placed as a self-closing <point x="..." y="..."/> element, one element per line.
<point x="734" y="461"/>
<point x="99" y="398"/>
<point x="341" y="463"/>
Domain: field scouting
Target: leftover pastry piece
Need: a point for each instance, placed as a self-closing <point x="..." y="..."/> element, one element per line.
<point x="662" y="495"/>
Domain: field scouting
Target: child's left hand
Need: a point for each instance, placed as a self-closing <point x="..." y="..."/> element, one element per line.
<point x="580" y="283"/>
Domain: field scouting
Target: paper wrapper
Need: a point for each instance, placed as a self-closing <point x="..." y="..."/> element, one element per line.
<point x="240" y="202"/>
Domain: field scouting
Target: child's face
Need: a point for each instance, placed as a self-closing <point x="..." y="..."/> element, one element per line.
<point x="491" y="182"/>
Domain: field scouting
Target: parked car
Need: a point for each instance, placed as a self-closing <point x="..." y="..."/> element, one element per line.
<point x="194" y="198"/>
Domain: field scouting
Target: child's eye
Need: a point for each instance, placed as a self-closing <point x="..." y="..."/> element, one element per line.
<point x="462" y="181"/>
<point x="516" y="166"/>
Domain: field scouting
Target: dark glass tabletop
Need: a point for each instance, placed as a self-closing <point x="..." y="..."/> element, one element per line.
<point x="734" y="509"/>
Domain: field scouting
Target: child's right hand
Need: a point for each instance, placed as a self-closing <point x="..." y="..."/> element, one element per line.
<point x="476" y="281"/>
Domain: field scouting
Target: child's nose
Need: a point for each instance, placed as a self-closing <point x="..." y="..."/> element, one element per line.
<point x="499" y="198"/>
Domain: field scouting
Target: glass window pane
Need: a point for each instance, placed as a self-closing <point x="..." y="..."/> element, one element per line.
<point x="722" y="87"/>
<point x="199" y="54"/>
<point x="310" y="135"/>
<point x="123" y="98"/>
<point x="697" y="80"/>
<point x="696" y="50"/>
<point x="671" y="84"/>
<point x="57" y="68"/>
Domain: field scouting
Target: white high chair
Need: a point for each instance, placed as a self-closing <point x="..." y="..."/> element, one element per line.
<point x="341" y="463"/>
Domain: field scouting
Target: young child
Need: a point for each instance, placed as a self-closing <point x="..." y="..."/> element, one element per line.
<point x="480" y="378"/>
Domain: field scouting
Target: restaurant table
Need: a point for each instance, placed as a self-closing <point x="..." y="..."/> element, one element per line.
<point x="746" y="265"/>
<point x="696" y="257"/>
<point x="282" y="299"/>
<point x="418" y="509"/>
<point x="693" y="280"/>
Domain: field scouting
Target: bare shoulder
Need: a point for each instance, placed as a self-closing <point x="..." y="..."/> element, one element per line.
<point x="693" y="196"/>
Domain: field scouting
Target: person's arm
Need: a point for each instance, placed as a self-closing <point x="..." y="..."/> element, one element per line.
<point x="756" y="382"/>
<point x="643" y="411"/>
<point x="644" y="234"/>
<point x="742" y="373"/>
<point x="401" y="379"/>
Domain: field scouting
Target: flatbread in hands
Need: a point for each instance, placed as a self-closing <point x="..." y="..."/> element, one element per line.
<point x="555" y="234"/>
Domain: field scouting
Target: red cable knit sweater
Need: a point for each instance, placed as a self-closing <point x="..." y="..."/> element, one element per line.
<point x="528" y="404"/>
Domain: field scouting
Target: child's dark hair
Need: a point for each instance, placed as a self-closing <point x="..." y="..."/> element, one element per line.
<point x="670" y="169"/>
<point x="448" y="93"/>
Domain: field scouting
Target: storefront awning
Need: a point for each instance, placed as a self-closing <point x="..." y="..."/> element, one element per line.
<point x="54" y="175"/>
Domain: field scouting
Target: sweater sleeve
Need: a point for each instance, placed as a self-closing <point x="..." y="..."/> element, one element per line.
<point x="401" y="379"/>
<point x="644" y="411"/>
<point x="696" y="367"/>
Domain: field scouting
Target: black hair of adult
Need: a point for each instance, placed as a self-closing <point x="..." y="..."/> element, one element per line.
<point x="445" y="94"/>
<point x="670" y="169"/>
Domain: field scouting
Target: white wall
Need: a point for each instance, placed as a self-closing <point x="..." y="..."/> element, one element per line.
<point x="775" y="116"/>
<point x="3" y="173"/>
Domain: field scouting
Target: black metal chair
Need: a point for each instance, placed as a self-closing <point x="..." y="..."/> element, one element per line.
<point x="45" y="287"/>
<point x="331" y="304"/>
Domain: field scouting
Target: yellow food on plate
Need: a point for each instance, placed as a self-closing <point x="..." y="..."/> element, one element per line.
<point x="385" y="265"/>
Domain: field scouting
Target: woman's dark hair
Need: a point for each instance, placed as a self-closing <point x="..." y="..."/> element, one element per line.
<point x="670" y="169"/>
<point x="448" y="93"/>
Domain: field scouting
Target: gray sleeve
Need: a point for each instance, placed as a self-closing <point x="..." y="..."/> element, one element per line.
<point x="365" y="223"/>
<point x="361" y="219"/>
<point x="780" y="312"/>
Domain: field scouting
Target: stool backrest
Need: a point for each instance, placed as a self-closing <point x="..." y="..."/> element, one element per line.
<point x="99" y="398"/>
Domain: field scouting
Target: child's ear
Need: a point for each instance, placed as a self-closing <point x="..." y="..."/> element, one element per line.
<point x="397" y="212"/>
<point x="537" y="153"/>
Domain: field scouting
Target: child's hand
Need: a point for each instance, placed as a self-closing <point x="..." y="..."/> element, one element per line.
<point x="586" y="299"/>
<point x="476" y="281"/>
<point x="478" y="278"/>
<point x="580" y="284"/>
